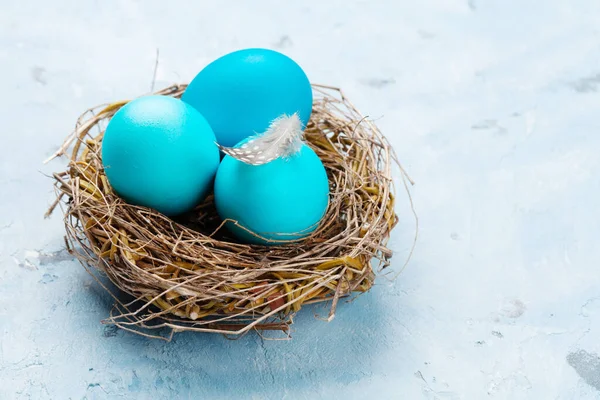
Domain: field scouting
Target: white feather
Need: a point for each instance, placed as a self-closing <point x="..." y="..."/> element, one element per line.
<point x="282" y="139"/>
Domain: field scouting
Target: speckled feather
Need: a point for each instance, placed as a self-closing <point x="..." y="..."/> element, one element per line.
<point x="282" y="139"/>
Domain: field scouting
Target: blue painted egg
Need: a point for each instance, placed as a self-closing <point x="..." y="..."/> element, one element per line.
<point x="282" y="200"/>
<point x="240" y="93"/>
<point x="159" y="152"/>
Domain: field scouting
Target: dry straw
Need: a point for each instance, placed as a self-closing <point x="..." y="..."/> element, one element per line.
<point x="188" y="275"/>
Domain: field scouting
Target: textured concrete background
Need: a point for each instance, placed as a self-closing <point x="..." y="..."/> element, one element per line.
<point x="491" y="104"/>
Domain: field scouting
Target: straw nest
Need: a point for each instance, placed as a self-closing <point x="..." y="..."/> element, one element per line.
<point x="187" y="274"/>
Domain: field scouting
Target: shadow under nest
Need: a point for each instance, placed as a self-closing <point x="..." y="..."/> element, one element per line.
<point x="188" y="274"/>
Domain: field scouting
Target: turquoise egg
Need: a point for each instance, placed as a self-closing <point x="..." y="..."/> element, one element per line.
<point x="240" y="93"/>
<point x="159" y="152"/>
<point x="281" y="200"/>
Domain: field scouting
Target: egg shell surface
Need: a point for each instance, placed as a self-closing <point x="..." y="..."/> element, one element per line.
<point x="240" y="93"/>
<point x="159" y="152"/>
<point x="282" y="200"/>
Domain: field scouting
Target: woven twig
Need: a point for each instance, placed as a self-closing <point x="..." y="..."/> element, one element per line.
<point x="189" y="275"/>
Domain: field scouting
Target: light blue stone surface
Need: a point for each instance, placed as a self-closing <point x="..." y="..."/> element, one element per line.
<point x="492" y="105"/>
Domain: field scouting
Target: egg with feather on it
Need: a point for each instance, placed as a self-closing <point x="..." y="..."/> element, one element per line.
<point x="282" y="200"/>
<point x="272" y="188"/>
<point x="241" y="93"/>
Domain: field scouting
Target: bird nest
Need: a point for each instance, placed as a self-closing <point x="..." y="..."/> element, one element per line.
<point x="189" y="274"/>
